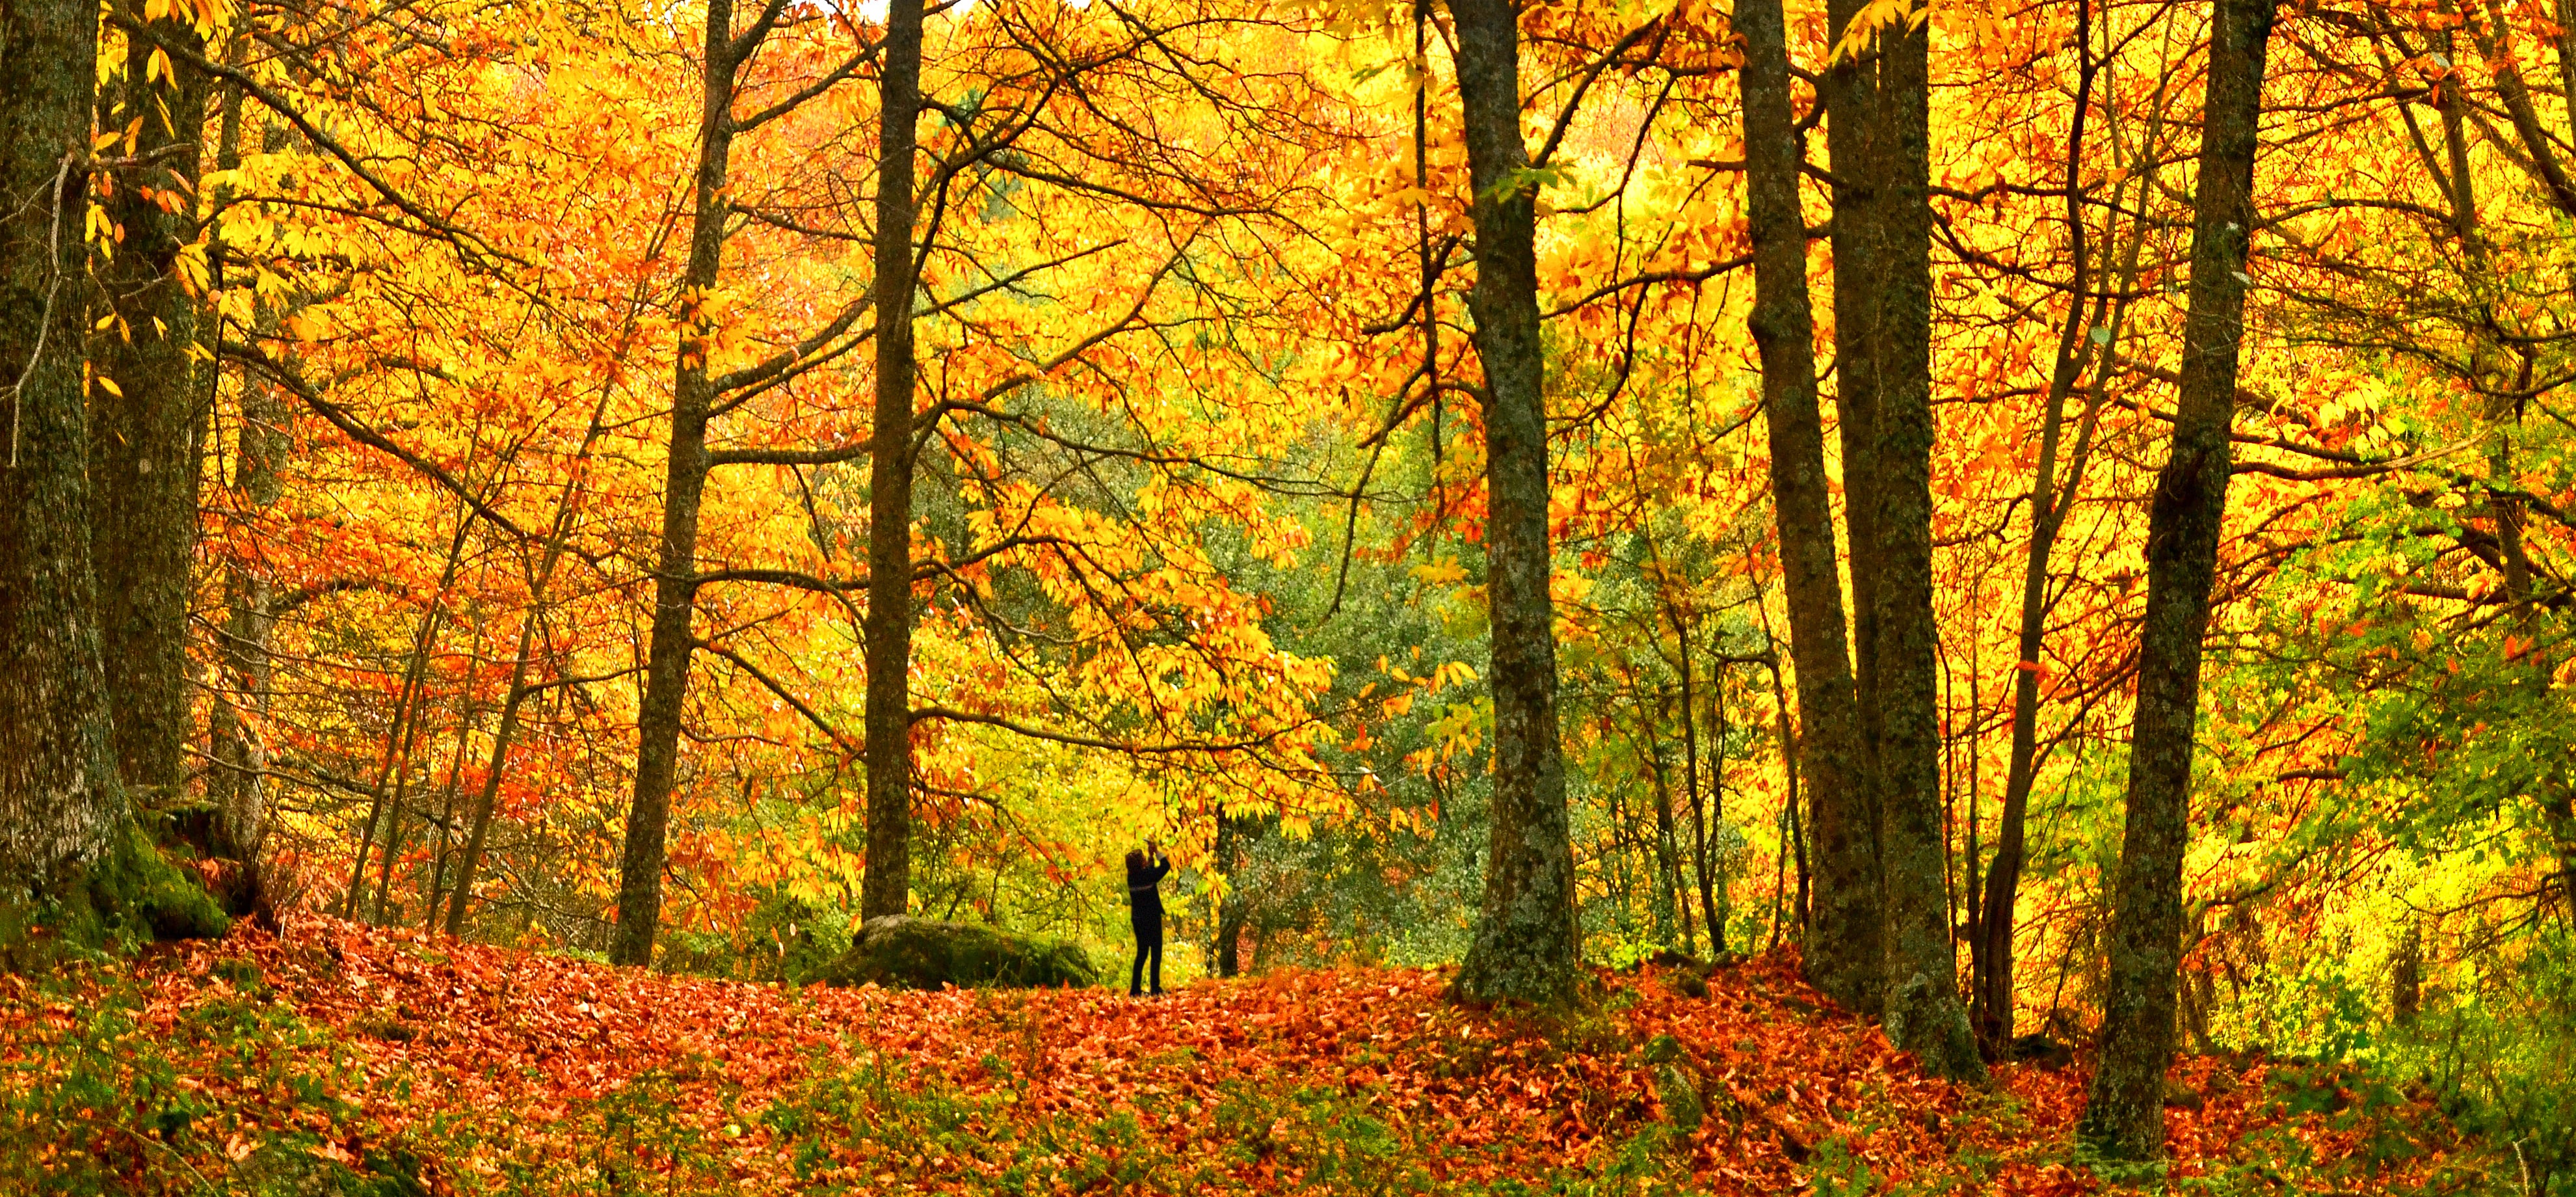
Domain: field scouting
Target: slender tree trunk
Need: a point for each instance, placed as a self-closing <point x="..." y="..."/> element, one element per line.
<point x="1840" y="940"/>
<point x="1667" y="861"/>
<point x="1713" y="901"/>
<point x="385" y="806"/>
<point x="395" y="806"/>
<point x="1690" y="769"/>
<point x="1846" y="946"/>
<point x="2124" y="1112"/>
<point x="516" y="697"/>
<point x="675" y="584"/>
<point x="485" y="801"/>
<point x="434" y="881"/>
<point x="1654" y="750"/>
<point x="887" y="887"/>
<point x="1991" y="942"/>
<point x="1923" y="1013"/>
<point x="1525" y="945"/>
<point x="1232" y="834"/>
<point x="143" y="419"/>
<point x="237" y="783"/>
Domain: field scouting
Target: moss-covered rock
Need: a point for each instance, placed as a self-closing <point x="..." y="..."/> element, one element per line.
<point x="899" y="951"/>
<point x="131" y="894"/>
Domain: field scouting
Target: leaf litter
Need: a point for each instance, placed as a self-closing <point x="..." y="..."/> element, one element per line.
<point x="463" y="1068"/>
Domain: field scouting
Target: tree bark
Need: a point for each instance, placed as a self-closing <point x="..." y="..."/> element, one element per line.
<point x="59" y="802"/>
<point x="1525" y="942"/>
<point x="2124" y="1111"/>
<point x="1923" y="1014"/>
<point x="887" y="886"/>
<point x="71" y="854"/>
<point x="1784" y="331"/>
<point x="143" y="418"/>
<point x="1991" y="939"/>
<point x="237" y="785"/>
<point x="1845" y="950"/>
<point x="1233" y="833"/>
<point x="666" y="671"/>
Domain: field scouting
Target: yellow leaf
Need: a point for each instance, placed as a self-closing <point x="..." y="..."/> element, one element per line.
<point x="108" y="384"/>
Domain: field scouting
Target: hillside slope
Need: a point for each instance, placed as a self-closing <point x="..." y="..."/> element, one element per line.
<point x="342" y="1058"/>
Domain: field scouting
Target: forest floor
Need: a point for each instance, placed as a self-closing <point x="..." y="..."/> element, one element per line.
<point x="348" y="1059"/>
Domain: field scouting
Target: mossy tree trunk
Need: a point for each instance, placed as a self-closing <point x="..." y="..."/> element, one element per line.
<point x="1784" y="331"/>
<point x="887" y="887"/>
<point x="59" y="802"/>
<point x="143" y="444"/>
<point x="1923" y="1013"/>
<point x="70" y="852"/>
<point x="1844" y="948"/>
<point x="1525" y="941"/>
<point x="2124" y="1112"/>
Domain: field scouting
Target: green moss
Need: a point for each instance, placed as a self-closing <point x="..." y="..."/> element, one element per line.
<point x="927" y="953"/>
<point x="130" y="895"/>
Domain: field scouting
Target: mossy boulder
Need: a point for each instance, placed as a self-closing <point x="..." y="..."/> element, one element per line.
<point x="129" y="894"/>
<point x="902" y="952"/>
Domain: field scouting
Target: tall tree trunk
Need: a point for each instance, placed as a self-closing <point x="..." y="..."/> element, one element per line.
<point x="1846" y="946"/>
<point x="2124" y="1112"/>
<point x="684" y="484"/>
<point x="887" y="887"/>
<point x="1923" y="1014"/>
<point x="1525" y="944"/>
<point x="1840" y="940"/>
<point x="67" y="837"/>
<point x="237" y="785"/>
<point x="1991" y="942"/>
<point x="59" y="801"/>
<point x="143" y="417"/>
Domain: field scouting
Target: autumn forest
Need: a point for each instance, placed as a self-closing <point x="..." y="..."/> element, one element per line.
<point x="596" y="597"/>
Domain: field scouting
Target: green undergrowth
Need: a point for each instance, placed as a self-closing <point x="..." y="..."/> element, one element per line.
<point x="864" y="1127"/>
<point x="233" y="1096"/>
<point x="221" y="1088"/>
<point x="233" y="1093"/>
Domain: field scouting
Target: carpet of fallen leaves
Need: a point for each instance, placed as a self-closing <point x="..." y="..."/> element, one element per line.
<point x="486" y="1070"/>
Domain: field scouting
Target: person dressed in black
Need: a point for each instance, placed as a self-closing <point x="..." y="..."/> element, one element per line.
<point x="1146" y="868"/>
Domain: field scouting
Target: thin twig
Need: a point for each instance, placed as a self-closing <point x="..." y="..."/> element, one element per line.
<point x="44" y="321"/>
